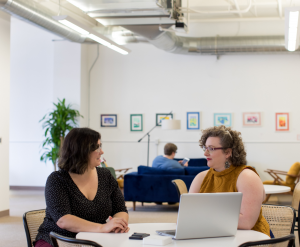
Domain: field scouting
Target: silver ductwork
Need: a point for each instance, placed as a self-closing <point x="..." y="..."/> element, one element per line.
<point x="41" y="17"/>
<point x="170" y="42"/>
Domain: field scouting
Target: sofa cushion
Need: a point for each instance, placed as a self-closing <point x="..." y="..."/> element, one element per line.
<point x="196" y="162"/>
<point x="158" y="171"/>
<point x="195" y="170"/>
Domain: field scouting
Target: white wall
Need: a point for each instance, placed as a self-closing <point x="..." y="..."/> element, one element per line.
<point x="42" y="70"/>
<point x="4" y="109"/>
<point x="151" y="81"/>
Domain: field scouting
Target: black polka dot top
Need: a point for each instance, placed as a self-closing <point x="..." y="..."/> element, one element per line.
<point x="63" y="197"/>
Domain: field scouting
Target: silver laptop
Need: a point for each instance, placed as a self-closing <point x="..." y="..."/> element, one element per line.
<point x="206" y="215"/>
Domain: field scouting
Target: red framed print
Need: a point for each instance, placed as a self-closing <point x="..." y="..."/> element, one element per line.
<point x="282" y="122"/>
<point x="251" y="119"/>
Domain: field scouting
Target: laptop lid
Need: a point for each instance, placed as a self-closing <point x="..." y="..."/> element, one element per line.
<point x="204" y="215"/>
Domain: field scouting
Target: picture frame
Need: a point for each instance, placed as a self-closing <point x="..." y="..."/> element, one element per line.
<point x="251" y="119"/>
<point x="108" y="120"/>
<point x="193" y="120"/>
<point x="223" y="119"/>
<point x="160" y="116"/>
<point x="282" y="121"/>
<point x="136" y="122"/>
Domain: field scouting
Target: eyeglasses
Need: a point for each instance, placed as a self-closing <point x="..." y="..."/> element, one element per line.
<point x="210" y="149"/>
<point x="99" y="149"/>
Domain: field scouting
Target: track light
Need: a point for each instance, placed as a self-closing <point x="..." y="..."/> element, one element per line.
<point x="90" y="33"/>
<point x="292" y="28"/>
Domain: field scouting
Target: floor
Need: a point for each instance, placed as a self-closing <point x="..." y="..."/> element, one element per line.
<point x="12" y="231"/>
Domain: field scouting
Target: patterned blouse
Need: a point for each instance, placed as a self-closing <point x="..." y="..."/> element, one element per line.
<point x="63" y="197"/>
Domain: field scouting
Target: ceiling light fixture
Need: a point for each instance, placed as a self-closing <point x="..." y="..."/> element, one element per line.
<point x="90" y="33"/>
<point x="292" y="29"/>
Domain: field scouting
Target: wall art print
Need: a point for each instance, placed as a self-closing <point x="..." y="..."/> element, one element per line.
<point x="136" y="122"/>
<point x="282" y="121"/>
<point x="222" y="119"/>
<point x="108" y="120"/>
<point x="251" y="119"/>
<point x="160" y="116"/>
<point x="193" y="120"/>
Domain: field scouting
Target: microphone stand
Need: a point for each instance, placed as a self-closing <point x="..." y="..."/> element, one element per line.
<point x="147" y="134"/>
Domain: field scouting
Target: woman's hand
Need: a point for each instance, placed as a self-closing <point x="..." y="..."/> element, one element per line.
<point x="115" y="225"/>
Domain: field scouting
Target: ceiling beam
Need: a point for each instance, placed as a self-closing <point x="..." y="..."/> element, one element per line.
<point x="279" y="8"/>
<point x="237" y="7"/>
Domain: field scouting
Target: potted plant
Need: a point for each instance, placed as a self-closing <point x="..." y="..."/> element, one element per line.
<point x="56" y="124"/>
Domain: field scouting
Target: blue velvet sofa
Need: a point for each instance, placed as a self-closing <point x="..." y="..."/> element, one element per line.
<point x="151" y="184"/>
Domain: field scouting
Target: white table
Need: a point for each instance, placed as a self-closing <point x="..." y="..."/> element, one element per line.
<point x="122" y="239"/>
<point x="276" y="189"/>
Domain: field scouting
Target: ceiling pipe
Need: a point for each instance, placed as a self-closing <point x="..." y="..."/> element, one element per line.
<point x="41" y="17"/>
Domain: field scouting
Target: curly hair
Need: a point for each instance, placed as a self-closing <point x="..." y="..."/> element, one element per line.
<point x="228" y="139"/>
<point x="78" y="144"/>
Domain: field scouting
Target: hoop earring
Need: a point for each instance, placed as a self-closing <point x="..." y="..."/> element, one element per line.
<point x="227" y="165"/>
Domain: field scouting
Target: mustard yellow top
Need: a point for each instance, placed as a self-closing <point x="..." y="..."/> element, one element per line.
<point x="225" y="181"/>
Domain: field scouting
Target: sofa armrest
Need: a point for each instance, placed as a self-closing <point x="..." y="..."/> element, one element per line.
<point x="152" y="188"/>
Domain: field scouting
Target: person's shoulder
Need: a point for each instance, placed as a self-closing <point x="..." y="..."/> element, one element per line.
<point x="57" y="177"/>
<point x="159" y="157"/>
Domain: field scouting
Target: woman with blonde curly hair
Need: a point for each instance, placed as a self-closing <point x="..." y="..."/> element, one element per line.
<point x="226" y="157"/>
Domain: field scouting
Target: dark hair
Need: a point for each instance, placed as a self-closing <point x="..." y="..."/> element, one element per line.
<point x="77" y="146"/>
<point x="228" y="139"/>
<point x="170" y="148"/>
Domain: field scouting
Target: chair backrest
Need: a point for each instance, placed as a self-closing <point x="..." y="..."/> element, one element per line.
<point x="281" y="219"/>
<point x="32" y="221"/>
<point x="61" y="241"/>
<point x="296" y="197"/>
<point x="180" y="187"/>
<point x="286" y="241"/>
<point x="294" y="170"/>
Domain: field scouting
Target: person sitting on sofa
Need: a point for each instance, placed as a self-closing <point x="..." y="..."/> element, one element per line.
<point x="167" y="161"/>
<point x="226" y="157"/>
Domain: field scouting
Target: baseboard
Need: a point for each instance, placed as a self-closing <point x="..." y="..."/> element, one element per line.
<point x="39" y="188"/>
<point x="4" y="213"/>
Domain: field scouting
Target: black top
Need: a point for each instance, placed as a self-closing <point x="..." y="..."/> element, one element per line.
<point x="63" y="197"/>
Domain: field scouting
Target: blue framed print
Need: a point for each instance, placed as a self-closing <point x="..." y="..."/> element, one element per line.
<point x="222" y="119"/>
<point x="193" y="120"/>
<point x="108" y="120"/>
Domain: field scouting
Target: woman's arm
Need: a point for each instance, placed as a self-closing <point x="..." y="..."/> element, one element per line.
<point x="124" y="216"/>
<point x="252" y="188"/>
<point x="75" y="224"/>
<point x="196" y="184"/>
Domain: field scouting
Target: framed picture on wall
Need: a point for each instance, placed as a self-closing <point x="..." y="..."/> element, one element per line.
<point x="136" y="122"/>
<point x="193" y="120"/>
<point x="251" y="119"/>
<point x="282" y="121"/>
<point x="160" y="116"/>
<point x="222" y="119"/>
<point x="108" y="120"/>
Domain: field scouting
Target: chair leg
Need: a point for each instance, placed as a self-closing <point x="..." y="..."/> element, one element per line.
<point x="267" y="198"/>
<point x="142" y="203"/>
<point x="133" y="206"/>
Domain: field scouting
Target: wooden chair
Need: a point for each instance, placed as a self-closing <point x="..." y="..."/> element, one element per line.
<point x="180" y="187"/>
<point x="61" y="241"/>
<point x="281" y="219"/>
<point x="295" y="205"/>
<point x="118" y="173"/>
<point x="292" y="176"/>
<point x="32" y="221"/>
<point x="286" y="241"/>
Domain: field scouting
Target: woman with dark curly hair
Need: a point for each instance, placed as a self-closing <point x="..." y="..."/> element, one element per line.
<point x="226" y="157"/>
<point x="81" y="197"/>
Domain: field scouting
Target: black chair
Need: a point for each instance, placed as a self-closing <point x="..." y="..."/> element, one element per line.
<point x="32" y="221"/>
<point x="287" y="241"/>
<point x="61" y="241"/>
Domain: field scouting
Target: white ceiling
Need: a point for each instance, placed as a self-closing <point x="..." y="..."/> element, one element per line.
<point x="264" y="17"/>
